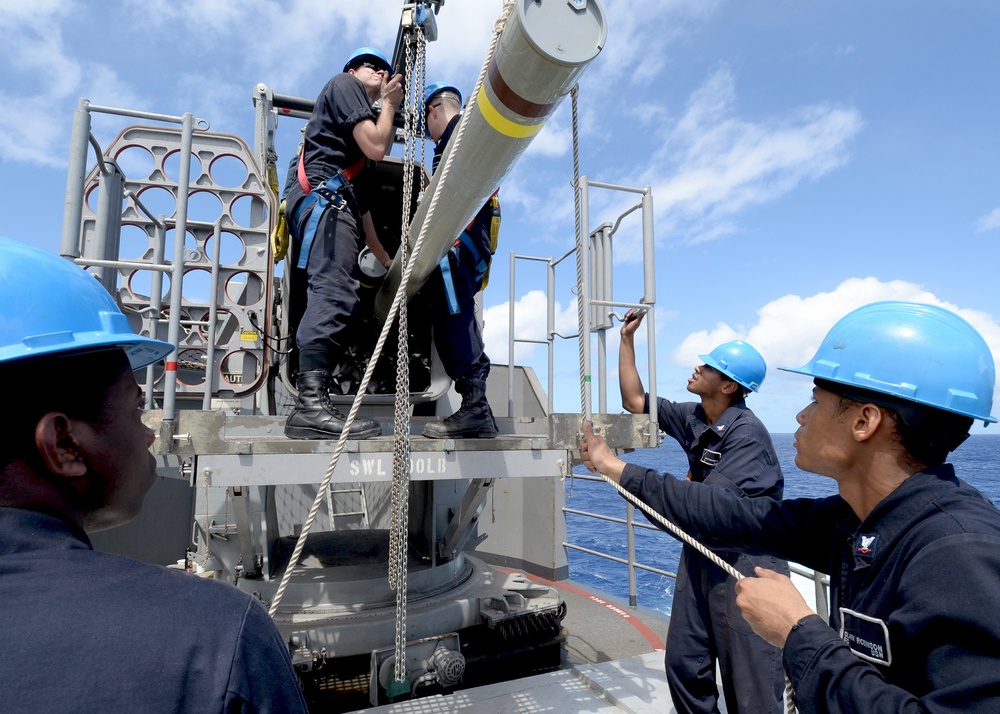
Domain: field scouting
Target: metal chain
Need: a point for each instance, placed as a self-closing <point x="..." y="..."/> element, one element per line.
<point x="400" y="491"/>
<point x="342" y="441"/>
<point x="399" y="419"/>
<point x="399" y="519"/>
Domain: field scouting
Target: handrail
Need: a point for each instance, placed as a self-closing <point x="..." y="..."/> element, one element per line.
<point x="821" y="581"/>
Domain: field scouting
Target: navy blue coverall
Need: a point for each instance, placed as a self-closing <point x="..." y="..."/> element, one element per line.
<point x="735" y="453"/>
<point x="332" y="268"/>
<point x="458" y="337"/>
<point x="914" y="588"/>
<point x="85" y="631"/>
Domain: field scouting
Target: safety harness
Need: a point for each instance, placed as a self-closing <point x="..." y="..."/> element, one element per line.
<point x="326" y="196"/>
<point x="482" y="261"/>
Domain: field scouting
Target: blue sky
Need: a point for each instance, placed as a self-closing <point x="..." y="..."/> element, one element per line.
<point x="805" y="158"/>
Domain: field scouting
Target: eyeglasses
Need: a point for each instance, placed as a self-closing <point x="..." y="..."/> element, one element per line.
<point x="373" y="67"/>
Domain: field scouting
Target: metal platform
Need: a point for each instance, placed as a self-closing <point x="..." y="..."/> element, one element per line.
<point x="252" y="450"/>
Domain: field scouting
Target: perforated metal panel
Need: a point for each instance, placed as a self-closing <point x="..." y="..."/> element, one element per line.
<point x="225" y="183"/>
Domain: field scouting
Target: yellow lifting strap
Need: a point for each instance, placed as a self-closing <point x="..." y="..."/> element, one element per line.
<point x="494" y="234"/>
<point x="279" y="235"/>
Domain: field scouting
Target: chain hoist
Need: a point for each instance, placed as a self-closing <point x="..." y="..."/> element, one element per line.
<point x="415" y="64"/>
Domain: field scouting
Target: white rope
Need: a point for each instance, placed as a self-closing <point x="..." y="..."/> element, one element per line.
<point x="790" y="707"/>
<point x="676" y="530"/>
<point x="580" y="247"/>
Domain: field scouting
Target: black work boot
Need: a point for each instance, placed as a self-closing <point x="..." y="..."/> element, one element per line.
<point x="315" y="416"/>
<point x="473" y="420"/>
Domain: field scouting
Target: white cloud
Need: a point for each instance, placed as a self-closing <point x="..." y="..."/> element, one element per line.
<point x="790" y="329"/>
<point x="637" y="48"/>
<point x="204" y="58"/>
<point x="553" y="140"/>
<point x="530" y="324"/>
<point x="715" y="164"/>
<point x="988" y="222"/>
<point x="38" y="77"/>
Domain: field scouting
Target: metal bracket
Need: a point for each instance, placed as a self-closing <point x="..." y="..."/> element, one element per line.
<point x="252" y="562"/>
<point x="460" y="526"/>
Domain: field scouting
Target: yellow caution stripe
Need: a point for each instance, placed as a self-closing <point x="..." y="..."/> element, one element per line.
<point x="501" y="123"/>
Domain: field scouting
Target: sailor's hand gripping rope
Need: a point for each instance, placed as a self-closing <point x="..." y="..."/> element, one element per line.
<point x="770" y="601"/>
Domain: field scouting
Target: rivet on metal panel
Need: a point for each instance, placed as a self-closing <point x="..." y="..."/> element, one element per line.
<point x="577" y="4"/>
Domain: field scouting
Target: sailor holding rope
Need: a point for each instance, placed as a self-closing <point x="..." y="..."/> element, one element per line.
<point x="912" y="551"/>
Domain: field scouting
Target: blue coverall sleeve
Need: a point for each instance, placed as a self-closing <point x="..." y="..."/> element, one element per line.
<point x="671" y="416"/>
<point x="262" y="679"/>
<point x="800" y="530"/>
<point x="946" y="612"/>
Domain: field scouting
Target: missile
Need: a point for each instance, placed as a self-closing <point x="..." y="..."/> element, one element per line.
<point x="541" y="53"/>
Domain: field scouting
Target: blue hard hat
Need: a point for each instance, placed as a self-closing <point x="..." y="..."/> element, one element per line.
<point x="913" y="352"/>
<point x="49" y="306"/>
<point x="367" y="53"/>
<point x="738" y="361"/>
<point x="434" y="89"/>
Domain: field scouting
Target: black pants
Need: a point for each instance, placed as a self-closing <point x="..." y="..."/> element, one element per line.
<point x="706" y="625"/>
<point x="332" y="287"/>
<point x="458" y="338"/>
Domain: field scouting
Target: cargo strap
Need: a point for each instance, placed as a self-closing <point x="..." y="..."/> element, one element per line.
<point x="482" y="261"/>
<point x="279" y="236"/>
<point x="326" y="196"/>
<point x="494" y="233"/>
<point x="482" y="265"/>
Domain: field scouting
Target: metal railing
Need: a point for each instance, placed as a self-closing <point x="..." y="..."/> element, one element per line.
<point x="821" y="582"/>
<point x="106" y="240"/>
<point x="594" y="288"/>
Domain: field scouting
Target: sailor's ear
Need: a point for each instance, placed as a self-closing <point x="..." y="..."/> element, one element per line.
<point x="867" y="421"/>
<point x="58" y="445"/>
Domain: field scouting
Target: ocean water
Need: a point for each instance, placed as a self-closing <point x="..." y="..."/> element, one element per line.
<point x="977" y="461"/>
